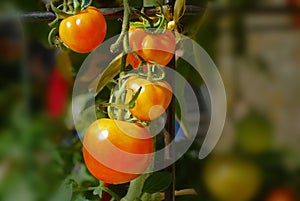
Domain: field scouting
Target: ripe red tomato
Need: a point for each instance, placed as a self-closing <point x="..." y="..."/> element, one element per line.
<point x="153" y="99"/>
<point x="153" y="48"/>
<point x="125" y="146"/>
<point x="281" y="194"/>
<point x="83" y="32"/>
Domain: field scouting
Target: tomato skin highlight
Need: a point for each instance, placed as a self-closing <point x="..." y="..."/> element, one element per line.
<point x="153" y="99"/>
<point x="153" y="48"/>
<point x="125" y="138"/>
<point x="83" y="32"/>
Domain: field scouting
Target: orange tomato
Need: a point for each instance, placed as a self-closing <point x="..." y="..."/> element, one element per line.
<point x="83" y="32"/>
<point x="126" y="147"/>
<point x="153" y="99"/>
<point x="153" y="48"/>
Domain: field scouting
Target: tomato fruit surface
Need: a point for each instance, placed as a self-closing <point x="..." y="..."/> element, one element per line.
<point x="114" y="142"/>
<point x="153" y="48"/>
<point x="84" y="31"/>
<point x="153" y="100"/>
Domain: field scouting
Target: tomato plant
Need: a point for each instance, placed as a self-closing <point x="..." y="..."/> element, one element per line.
<point x="126" y="137"/>
<point x="84" y="31"/>
<point x="153" y="99"/>
<point x="281" y="194"/>
<point x="155" y="48"/>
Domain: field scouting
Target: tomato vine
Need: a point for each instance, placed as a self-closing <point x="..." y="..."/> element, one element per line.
<point x="140" y="93"/>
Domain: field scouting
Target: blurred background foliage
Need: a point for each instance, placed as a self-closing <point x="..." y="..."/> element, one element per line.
<point x="257" y="157"/>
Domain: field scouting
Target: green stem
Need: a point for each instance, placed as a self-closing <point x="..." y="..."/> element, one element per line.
<point x="149" y="73"/>
<point x="151" y="3"/>
<point x="122" y="85"/>
<point x="150" y="21"/>
<point x="146" y="197"/>
<point x="113" y="194"/>
<point x="65" y="8"/>
<point x="85" y="189"/>
<point x="70" y="7"/>
<point x="125" y="27"/>
<point x="135" y="188"/>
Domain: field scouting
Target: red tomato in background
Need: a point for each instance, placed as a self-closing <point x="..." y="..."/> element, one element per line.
<point x="126" y="138"/>
<point x="57" y="94"/>
<point x="281" y="194"/>
<point x="295" y="17"/>
<point x="83" y="32"/>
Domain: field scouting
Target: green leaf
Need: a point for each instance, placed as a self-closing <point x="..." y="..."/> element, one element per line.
<point x="65" y="191"/>
<point x="104" y="78"/>
<point x="157" y="182"/>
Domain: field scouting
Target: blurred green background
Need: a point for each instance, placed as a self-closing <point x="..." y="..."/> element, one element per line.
<point x="257" y="157"/>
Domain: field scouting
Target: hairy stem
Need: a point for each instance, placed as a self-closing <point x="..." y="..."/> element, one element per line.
<point x="125" y="27"/>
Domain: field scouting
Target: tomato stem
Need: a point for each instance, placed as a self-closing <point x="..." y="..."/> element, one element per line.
<point x="106" y="189"/>
<point x="135" y="188"/>
<point x="70" y="7"/>
<point x="150" y="21"/>
<point x="149" y="73"/>
<point x="125" y="27"/>
<point x="65" y="6"/>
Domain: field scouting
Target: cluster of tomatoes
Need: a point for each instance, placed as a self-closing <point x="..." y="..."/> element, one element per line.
<point x="117" y="150"/>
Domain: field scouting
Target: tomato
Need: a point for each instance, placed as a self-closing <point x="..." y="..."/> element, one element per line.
<point x="83" y="32"/>
<point x="230" y="178"/>
<point x="153" y="48"/>
<point x="136" y="36"/>
<point x="153" y="99"/>
<point x="281" y="194"/>
<point x="126" y="147"/>
<point x="133" y="60"/>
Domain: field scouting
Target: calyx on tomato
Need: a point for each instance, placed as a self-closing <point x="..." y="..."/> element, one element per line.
<point x="153" y="99"/>
<point x="157" y="48"/>
<point x="115" y="151"/>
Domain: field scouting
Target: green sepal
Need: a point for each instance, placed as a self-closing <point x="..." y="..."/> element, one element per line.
<point x="135" y="96"/>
